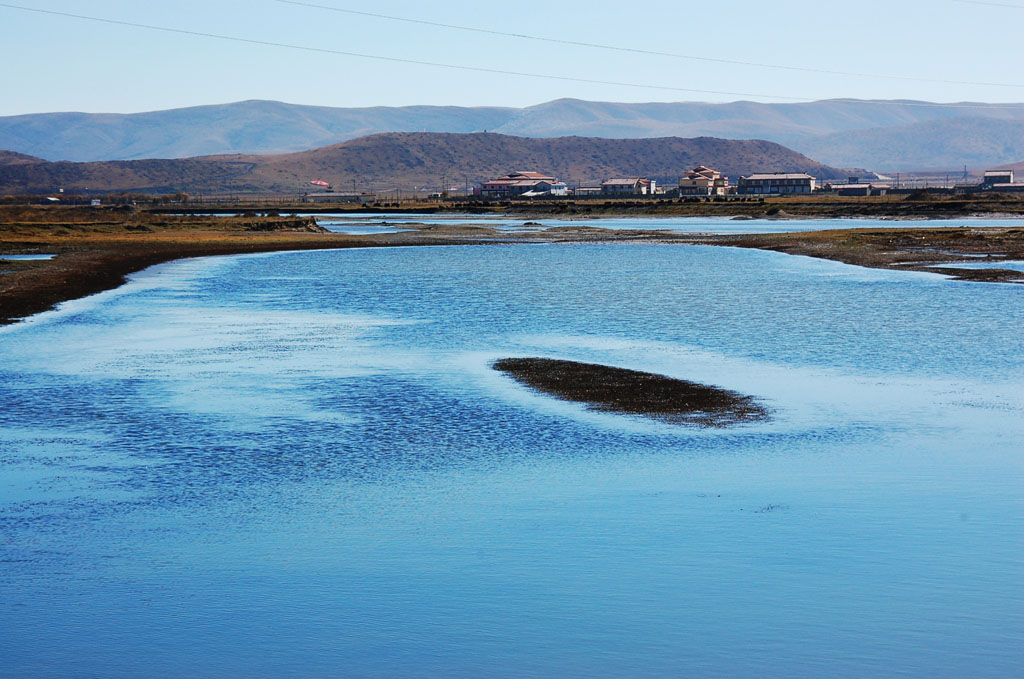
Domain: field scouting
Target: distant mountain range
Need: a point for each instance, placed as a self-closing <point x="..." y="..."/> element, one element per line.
<point x="881" y="135"/>
<point x="410" y="159"/>
<point x="979" y="143"/>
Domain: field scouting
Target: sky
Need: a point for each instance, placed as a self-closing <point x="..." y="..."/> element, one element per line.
<point x="790" y="51"/>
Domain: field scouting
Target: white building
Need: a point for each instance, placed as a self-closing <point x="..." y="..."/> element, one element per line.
<point x="703" y="181"/>
<point x="522" y="184"/>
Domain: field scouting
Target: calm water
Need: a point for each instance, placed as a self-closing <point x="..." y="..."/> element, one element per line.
<point x="301" y="465"/>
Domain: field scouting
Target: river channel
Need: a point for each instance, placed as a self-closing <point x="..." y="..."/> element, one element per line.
<point x="303" y="465"/>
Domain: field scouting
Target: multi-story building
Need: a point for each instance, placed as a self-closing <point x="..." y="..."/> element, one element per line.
<point x="703" y="181"/>
<point x="777" y="183"/>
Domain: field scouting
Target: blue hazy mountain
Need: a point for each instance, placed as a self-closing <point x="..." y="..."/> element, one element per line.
<point x="845" y="133"/>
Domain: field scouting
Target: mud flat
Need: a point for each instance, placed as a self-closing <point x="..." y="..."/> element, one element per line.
<point x="619" y="390"/>
<point x="902" y="249"/>
<point x="95" y="250"/>
<point x="898" y="248"/>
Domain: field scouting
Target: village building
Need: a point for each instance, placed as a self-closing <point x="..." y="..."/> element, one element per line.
<point x="628" y="186"/>
<point x="703" y="181"/>
<point x="861" y="190"/>
<point x="994" y="177"/>
<point x="776" y="183"/>
<point x="524" y="184"/>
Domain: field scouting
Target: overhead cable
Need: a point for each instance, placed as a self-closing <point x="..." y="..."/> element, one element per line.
<point x="476" y="69"/>
<point x="619" y="48"/>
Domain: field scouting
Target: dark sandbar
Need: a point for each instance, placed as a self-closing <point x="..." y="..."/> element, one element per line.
<point x="619" y="390"/>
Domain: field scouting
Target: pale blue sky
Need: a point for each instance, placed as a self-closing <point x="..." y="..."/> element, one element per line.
<point x="55" y="63"/>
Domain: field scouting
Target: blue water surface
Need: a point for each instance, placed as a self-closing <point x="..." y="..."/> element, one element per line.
<point x="302" y="465"/>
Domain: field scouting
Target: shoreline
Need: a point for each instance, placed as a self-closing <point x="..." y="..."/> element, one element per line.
<point x="93" y="256"/>
<point x="893" y="248"/>
<point x="920" y="205"/>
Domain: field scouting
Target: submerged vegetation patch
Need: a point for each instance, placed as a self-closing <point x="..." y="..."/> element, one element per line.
<point x="625" y="391"/>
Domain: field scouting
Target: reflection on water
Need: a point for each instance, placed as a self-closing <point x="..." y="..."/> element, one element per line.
<point x="301" y="464"/>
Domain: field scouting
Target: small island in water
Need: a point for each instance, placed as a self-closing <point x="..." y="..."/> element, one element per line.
<point x="632" y="392"/>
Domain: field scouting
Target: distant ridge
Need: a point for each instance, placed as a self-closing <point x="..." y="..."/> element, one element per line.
<point x="851" y="132"/>
<point x="1016" y="167"/>
<point x="977" y="142"/>
<point x="413" y="159"/>
<point x="12" y="158"/>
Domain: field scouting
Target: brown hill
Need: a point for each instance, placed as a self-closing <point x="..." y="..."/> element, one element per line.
<point x="1018" y="168"/>
<point x="415" y="160"/>
<point x="13" y="158"/>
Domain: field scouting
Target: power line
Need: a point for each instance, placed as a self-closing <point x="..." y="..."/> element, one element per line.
<point x="990" y="4"/>
<point x="476" y="69"/>
<point x="633" y="50"/>
<point x="401" y="60"/>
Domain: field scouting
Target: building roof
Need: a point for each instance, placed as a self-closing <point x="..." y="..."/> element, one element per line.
<point x="703" y="171"/>
<point x="516" y="179"/>
<point x="624" y="181"/>
<point x="998" y="173"/>
<point x="528" y="175"/>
